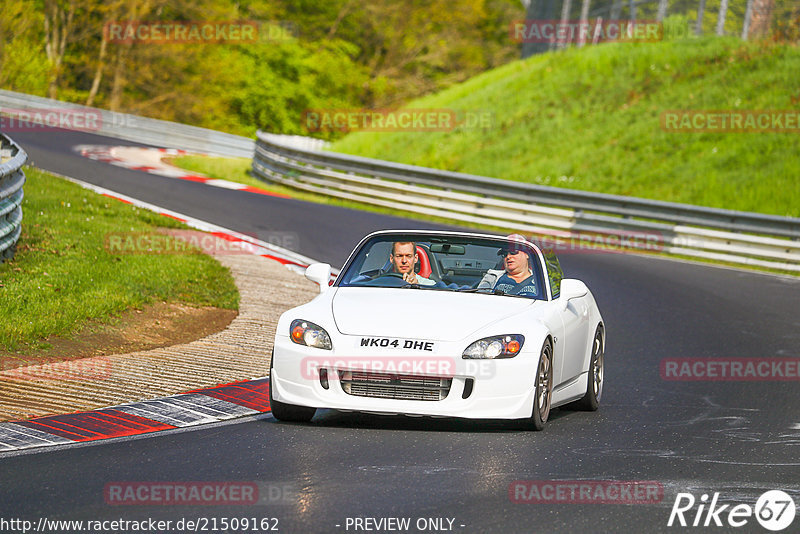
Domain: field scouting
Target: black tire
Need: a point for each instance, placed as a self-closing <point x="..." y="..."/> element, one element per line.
<point x="288" y="412"/>
<point x="594" y="383"/>
<point x="543" y="397"/>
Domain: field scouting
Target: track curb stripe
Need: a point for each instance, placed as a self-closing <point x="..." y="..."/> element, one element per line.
<point x="98" y="424"/>
<point x="208" y="405"/>
<point x="253" y="394"/>
<point x="13" y="437"/>
<point x="290" y="259"/>
<point x="106" y="154"/>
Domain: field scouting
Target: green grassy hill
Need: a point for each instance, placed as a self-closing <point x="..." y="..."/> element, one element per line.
<point x="590" y="119"/>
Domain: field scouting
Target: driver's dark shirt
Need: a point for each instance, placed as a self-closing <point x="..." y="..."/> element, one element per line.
<point x="509" y="286"/>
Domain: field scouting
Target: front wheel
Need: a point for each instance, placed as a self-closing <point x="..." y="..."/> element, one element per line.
<point x="287" y="412"/>
<point x="594" y="386"/>
<point x="544" y="389"/>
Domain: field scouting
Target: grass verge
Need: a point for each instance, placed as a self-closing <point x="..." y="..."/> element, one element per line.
<point x="590" y="119"/>
<point x="62" y="276"/>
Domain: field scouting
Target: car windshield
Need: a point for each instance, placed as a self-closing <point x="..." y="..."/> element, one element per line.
<point x="446" y="263"/>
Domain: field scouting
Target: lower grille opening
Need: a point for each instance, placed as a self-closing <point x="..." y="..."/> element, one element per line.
<point x="468" y="385"/>
<point x="323" y="378"/>
<point x="391" y="386"/>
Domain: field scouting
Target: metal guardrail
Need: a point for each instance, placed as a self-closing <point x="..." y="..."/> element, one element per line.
<point x="163" y="134"/>
<point x="145" y="130"/>
<point x="12" y="158"/>
<point x="562" y="215"/>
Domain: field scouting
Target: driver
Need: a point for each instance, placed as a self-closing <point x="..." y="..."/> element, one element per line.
<point x="403" y="258"/>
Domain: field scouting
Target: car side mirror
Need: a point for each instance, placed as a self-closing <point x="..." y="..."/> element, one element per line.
<point x="321" y="274"/>
<point x="571" y="289"/>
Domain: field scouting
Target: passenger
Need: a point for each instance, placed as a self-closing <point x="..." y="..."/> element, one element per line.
<point x="403" y="258"/>
<point x="517" y="277"/>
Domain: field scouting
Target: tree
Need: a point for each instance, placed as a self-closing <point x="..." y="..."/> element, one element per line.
<point x="538" y="10"/>
<point x="662" y="10"/>
<point x="566" y="7"/>
<point x="616" y="9"/>
<point x="584" y="20"/>
<point x="723" y="11"/>
<point x="701" y="8"/>
<point x="348" y="53"/>
<point x="59" y="19"/>
<point x="761" y="18"/>
<point x="108" y="13"/>
<point x="23" y="64"/>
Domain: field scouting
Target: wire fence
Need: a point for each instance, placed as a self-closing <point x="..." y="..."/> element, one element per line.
<point x="747" y="19"/>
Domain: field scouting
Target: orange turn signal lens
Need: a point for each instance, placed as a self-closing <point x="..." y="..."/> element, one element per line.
<point x="512" y="346"/>
<point x="297" y="333"/>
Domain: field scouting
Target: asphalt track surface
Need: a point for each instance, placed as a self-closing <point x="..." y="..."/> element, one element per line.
<point x="736" y="438"/>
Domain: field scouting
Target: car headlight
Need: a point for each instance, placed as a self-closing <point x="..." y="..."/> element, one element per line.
<point x="307" y="333"/>
<point x="494" y="347"/>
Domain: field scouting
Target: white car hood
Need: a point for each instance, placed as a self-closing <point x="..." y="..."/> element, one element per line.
<point x="419" y="313"/>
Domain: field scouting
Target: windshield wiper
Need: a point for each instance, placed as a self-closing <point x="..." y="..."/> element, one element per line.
<point x="478" y="289"/>
<point x="493" y="292"/>
<point x="411" y="286"/>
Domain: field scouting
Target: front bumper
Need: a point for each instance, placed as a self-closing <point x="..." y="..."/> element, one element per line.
<point x="479" y="389"/>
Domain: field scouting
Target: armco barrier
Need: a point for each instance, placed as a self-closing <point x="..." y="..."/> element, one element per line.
<point x="717" y="234"/>
<point x="162" y="134"/>
<point x="134" y="128"/>
<point x="12" y="178"/>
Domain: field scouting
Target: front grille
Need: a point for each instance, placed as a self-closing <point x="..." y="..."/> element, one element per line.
<point x="400" y="387"/>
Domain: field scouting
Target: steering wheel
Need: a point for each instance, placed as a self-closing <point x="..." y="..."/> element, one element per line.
<point x="387" y="279"/>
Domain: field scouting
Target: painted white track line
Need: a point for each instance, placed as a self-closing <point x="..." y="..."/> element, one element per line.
<point x="149" y="160"/>
<point x="289" y="258"/>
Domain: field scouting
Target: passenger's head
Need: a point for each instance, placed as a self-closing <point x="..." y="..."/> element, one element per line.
<point x="403" y="256"/>
<point x="515" y="256"/>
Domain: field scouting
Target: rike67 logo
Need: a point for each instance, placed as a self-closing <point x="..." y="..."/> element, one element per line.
<point x="774" y="510"/>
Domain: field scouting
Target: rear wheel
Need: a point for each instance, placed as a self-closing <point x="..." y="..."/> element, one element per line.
<point x="544" y="389"/>
<point x="594" y="386"/>
<point x="287" y="412"/>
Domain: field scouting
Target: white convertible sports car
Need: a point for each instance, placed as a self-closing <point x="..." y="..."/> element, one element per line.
<point x="441" y="324"/>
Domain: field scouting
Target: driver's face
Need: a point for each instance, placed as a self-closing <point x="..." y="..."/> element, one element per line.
<point x="403" y="258"/>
